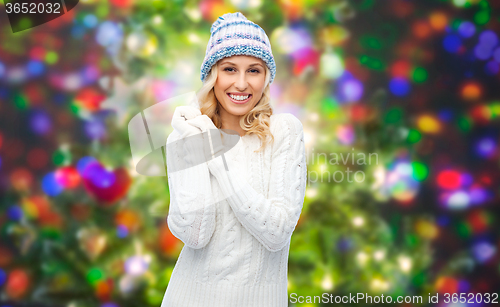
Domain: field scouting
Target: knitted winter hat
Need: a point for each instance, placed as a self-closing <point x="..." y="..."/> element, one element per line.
<point x="233" y="34"/>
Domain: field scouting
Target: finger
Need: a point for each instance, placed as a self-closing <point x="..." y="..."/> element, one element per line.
<point x="184" y="128"/>
<point x="195" y="123"/>
<point x="189" y="112"/>
<point x="202" y="122"/>
<point x="182" y="113"/>
<point x="180" y="125"/>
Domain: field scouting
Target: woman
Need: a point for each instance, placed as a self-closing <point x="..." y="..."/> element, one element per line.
<point x="236" y="212"/>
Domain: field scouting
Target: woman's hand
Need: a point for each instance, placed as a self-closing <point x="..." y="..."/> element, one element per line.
<point x="206" y="125"/>
<point x="179" y="121"/>
<point x="202" y="122"/>
<point x="194" y="128"/>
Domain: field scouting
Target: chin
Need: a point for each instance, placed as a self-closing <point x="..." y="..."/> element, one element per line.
<point x="238" y="111"/>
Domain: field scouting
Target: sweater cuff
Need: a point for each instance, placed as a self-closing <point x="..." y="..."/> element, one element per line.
<point x="189" y="186"/>
<point x="216" y="165"/>
<point x="196" y="151"/>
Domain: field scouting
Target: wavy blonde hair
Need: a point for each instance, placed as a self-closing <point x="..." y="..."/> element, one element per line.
<point x="256" y="121"/>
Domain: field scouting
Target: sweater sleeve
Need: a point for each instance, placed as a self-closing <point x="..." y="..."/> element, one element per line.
<point x="191" y="216"/>
<point x="270" y="220"/>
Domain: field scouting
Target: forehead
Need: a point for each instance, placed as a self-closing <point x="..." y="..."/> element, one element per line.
<point x="242" y="60"/>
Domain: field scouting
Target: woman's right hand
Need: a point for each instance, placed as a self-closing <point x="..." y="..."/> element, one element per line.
<point x="191" y="138"/>
<point x="179" y="120"/>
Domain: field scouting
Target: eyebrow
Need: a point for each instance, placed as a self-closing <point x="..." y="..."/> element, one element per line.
<point x="254" y="64"/>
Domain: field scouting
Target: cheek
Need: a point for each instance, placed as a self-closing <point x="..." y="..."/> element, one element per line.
<point x="218" y="89"/>
<point x="259" y="86"/>
<point x="260" y="81"/>
<point x="220" y="86"/>
<point x="220" y="94"/>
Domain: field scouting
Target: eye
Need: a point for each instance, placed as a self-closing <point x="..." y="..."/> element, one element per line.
<point x="226" y="69"/>
<point x="255" y="70"/>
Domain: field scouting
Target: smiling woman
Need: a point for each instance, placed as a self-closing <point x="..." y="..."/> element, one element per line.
<point x="227" y="66"/>
<point x="235" y="215"/>
<point x="239" y="87"/>
<point x="239" y="75"/>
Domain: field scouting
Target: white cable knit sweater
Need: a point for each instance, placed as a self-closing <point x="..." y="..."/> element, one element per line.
<point x="236" y="249"/>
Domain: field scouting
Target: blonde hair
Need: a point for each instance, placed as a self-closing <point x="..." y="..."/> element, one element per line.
<point x="256" y="121"/>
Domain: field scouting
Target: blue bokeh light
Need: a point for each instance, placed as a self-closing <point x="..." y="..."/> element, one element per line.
<point x="483" y="52"/>
<point x="121" y="231"/>
<point x="2" y="69"/>
<point x="35" y="68"/>
<point x="350" y="89"/>
<point x="50" y="185"/>
<point x="15" y="213"/>
<point x="492" y="67"/>
<point x="399" y="86"/>
<point x="452" y="43"/>
<point x="445" y="115"/>
<point x="467" y="29"/>
<point x="95" y="129"/>
<point x="83" y="163"/>
<point x="90" y="21"/>
<point x="40" y="122"/>
<point x="109" y="35"/>
<point x="3" y="277"/>
<point x="488" y="38"/>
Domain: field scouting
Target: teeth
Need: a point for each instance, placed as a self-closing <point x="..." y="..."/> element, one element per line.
<point x="239" y="97"/>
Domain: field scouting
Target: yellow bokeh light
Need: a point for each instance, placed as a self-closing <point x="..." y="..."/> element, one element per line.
<point x="334" y="35"/>
<point x="362" y="258"/>
<point x="327" y="282"/>
<point x="378" y="284"/>
<point x="379" y="255"/>
<point x="311" y="192"/>
<point x="405" y="263"/>
<point x="358" y="221"/>
<point x="428" y="124"/>
<point x="426" y="229"/>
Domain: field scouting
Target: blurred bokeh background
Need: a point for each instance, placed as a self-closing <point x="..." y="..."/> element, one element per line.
<point x="400" y="102"/>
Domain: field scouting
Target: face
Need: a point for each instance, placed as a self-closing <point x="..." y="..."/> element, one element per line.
<point x="240" y="84"/>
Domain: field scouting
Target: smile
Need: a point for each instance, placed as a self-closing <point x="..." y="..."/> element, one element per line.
<point x="239" y="101"/>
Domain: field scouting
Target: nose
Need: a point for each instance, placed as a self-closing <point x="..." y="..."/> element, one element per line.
<point x="241" y="82"/>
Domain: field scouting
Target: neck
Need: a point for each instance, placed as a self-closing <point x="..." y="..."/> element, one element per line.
<point x="232" y="122"/>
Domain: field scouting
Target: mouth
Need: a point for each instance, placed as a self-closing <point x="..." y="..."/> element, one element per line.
<point x="239" y="101"/>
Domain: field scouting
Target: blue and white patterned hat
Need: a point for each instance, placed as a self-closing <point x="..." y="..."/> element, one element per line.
<point x="233" y="34"/>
